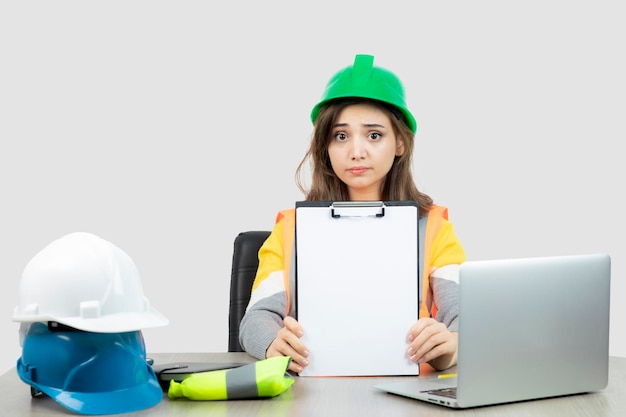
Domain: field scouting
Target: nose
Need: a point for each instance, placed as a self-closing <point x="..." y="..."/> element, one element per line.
<point x="358" y="150"/>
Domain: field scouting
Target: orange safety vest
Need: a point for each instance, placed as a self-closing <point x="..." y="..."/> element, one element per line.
<point x="435" y="217"/>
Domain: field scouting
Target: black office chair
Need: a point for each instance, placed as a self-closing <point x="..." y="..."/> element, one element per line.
<point x="245" y="263"/>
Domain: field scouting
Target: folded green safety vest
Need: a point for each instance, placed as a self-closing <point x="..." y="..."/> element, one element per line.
<point x="264" y="378"/>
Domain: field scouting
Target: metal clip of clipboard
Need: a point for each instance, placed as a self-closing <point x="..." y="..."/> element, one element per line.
<point x="344" y="209"/>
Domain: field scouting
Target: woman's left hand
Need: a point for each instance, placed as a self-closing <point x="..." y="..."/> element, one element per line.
<point x="430" y="341"/>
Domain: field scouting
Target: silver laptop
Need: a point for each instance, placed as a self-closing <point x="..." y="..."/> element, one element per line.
<point x="529" y="328"/>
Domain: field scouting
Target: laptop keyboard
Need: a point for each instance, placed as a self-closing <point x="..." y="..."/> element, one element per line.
<point x="443" y="392"/>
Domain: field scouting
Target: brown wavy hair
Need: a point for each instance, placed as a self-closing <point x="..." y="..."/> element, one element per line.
<point x="326" y="186"/>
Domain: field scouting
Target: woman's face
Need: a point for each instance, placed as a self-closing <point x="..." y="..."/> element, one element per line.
<point x="362" y="149"/>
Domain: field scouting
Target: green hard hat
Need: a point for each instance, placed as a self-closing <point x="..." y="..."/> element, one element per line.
<point x="365" y="80"/>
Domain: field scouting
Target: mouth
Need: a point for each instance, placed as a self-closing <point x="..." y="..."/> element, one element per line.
<point x="357" y="170"/>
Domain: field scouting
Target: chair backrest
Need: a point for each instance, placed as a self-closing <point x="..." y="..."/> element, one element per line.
<point x="244" y="266"/>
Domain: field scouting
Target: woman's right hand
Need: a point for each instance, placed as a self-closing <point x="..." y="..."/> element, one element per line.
<point x="288" y="343"/>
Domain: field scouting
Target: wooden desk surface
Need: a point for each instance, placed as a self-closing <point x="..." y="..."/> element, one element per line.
<point x="331" y="397"/>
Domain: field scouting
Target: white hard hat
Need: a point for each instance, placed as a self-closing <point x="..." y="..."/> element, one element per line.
<point x="87" y="283"/>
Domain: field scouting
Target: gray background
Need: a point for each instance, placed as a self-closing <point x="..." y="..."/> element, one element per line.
<point x="169" y="127"/>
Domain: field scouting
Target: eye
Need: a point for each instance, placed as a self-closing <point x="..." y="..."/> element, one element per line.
<point x="375" y="135"/>
<point x="340" y="136"/>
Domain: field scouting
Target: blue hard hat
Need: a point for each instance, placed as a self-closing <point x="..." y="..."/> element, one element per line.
<point x="89" y="373"/>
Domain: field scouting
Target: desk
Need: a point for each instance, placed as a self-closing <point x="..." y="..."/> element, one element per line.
<point x="331" y="397"/>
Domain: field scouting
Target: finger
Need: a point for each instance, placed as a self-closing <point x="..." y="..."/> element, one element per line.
<point x="297" y="366"/>
<point x="294" y="365"/>
<point x="281" y="348"/>
<point x="293" y="326"/>
<point x="426" y="344"/>
<point x="423" y="330"/>
<point x="298" y="351"/>
<point x="288" y="344"/>
<point x="418" y="327"/>
<point x="437" y="348"/>
<point x="295" y="332"/>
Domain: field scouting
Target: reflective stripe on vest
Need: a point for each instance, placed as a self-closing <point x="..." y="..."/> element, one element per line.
<point x="289" y="232"/>
<point x="435" y="215"/>
<point x="264" y="378"/>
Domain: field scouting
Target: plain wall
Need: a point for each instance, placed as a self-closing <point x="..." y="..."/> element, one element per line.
<point x="169" y="127"/>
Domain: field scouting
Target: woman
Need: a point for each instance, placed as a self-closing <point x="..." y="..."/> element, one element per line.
<point x="361" y="149"/>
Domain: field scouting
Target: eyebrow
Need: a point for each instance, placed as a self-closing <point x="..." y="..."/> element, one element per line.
<point x="370" y="125"/>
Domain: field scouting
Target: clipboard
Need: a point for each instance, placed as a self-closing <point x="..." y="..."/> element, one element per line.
<point x="357" y="285"/>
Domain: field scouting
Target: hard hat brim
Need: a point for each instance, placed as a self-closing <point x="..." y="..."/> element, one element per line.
<point x="111" y="402"/>
<point x="113" y="323"/>
<point x="408" y="116"/>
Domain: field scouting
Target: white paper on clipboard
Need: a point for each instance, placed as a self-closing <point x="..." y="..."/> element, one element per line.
<point x="357" y="286"/>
